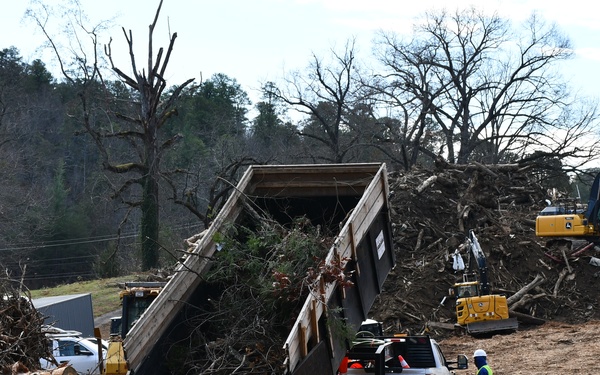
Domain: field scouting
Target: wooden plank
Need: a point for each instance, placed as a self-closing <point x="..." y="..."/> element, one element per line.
<point x="359" y="223"/>
<point x="303" y="341"/>
<point x="264" y="172"/>
<point x="314" y="322"/>
<point x="314" y="180"/>
<point x="140" y="340"/>
<point x="353" y="246"/>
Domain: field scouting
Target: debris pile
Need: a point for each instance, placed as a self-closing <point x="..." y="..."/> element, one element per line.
<point x="22" y="342"/>
<point x="432" y="213"/>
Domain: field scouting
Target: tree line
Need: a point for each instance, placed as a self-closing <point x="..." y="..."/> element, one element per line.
<point x="106" y="172"/>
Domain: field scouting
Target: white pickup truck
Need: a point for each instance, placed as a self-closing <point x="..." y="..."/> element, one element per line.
<point x="69" y="347"/>
<point x="400" y="354"/>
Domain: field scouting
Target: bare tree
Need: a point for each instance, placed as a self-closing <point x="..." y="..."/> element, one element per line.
<point x="139" y="123"/>
<point x="325" y="94"/>
<point x="487" y="90"/>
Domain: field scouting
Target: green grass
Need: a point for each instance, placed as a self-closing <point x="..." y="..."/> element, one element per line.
<point x="105" y="292"/>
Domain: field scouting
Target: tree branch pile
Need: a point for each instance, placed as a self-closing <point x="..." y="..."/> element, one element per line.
<point x="22" y="342"/>
<point x="249" y="311"/>
<point x="258" y="282"/>
<point x="432" y="213"/>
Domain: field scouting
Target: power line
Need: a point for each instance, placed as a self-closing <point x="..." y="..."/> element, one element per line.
<point x="73" y="242"/>
<point x="83" y="240"/>
<point x="58" y="276"/>
<point x="49" y="263"/>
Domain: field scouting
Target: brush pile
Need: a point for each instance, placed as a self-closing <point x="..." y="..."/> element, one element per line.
<point x="432" y="213"/>
<point x="22" y="342"/>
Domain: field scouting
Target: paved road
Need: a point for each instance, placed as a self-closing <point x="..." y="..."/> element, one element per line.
<point x="105" y="319"/>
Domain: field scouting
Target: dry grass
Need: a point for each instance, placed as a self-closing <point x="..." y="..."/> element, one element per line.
<point x="105" y="292"/>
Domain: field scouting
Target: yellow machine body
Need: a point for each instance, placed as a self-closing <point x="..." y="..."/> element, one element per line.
<point x="565" y="225"/>
<point x="115" y="359"/>
<point x="477" y="309"/>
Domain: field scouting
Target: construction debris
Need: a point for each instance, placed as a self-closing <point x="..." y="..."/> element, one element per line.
<point x="432" y="212"/>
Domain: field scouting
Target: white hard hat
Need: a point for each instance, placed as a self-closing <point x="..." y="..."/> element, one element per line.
<point x="479" y="353"/>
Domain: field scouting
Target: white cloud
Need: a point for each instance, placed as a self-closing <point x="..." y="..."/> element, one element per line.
<point x="589" y="53"/>
<point x="252" y="40"/>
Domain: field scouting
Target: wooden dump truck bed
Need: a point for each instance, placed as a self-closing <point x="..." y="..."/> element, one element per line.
<point x="363" y="245"/>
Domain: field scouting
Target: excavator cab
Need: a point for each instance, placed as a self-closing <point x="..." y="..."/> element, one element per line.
<point x="466" y="289"/>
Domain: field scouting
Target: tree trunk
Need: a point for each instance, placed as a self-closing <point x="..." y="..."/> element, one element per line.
<point x="150" y="223"/>
<point x="150" y="202"/>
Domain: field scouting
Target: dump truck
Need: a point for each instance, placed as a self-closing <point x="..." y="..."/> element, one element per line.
<point x="351" y="197"/>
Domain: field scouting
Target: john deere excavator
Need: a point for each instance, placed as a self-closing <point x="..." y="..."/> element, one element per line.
<point x="478" y="311"/>
<point x="572" y="220"/>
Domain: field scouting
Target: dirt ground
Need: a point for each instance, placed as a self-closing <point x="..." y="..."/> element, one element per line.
<point x="432" y="213"/>
<point x="554" y="348"/>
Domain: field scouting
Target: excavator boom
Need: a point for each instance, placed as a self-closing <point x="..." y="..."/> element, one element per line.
<point x="479" y="256"/>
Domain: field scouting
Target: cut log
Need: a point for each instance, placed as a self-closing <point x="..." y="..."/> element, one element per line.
<point x="526" y="318"/>
<point x="19" y="369"/>
<point x="419" y="240"/>
<point x="526" y="300"/>
<point x="561" y="276"/>
<point x="565" y="258"/>
<point x="427" y="183"/>
<point x="519" y="294"/>
<point x="485" y="169"/>
<point x="448" y="326"/>
<point x="68" y="370"/>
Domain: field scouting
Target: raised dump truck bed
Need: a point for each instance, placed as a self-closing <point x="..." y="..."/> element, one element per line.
<point x="351" y="196"/>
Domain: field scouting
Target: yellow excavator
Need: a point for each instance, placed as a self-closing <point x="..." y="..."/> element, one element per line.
<point x="571" y="219"/>
<point x="478" y="311"/>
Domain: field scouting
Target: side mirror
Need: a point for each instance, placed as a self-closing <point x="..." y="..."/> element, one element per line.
<point x="462" y="363"/>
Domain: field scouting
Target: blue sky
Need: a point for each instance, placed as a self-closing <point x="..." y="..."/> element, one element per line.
<point x="255" y="41"/>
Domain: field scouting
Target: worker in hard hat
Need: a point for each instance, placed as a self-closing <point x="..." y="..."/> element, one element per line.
<point x="480" y="358"/>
